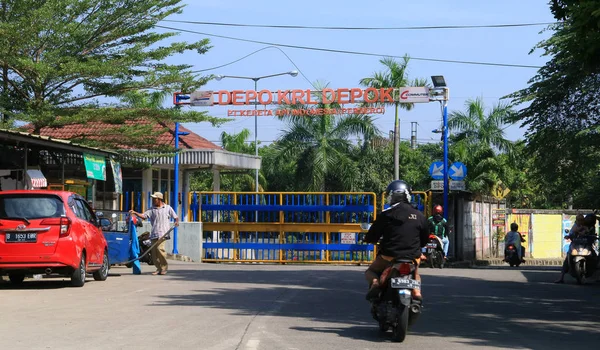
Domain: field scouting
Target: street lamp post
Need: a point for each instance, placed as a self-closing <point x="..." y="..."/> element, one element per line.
<point x="256" y="79"/>
<point x="440" y="88"/>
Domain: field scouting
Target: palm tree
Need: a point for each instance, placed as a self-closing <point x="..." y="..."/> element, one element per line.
<point x="395" y="76"/>
<point x="321" y="145"/>
<point x="476" y="127"/>
<point x="238" y="143"/>
<point x="479" y="139"/>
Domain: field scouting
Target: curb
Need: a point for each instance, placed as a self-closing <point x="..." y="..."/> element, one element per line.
<point x="179" y="257"/>
<point x="500" y="262"/>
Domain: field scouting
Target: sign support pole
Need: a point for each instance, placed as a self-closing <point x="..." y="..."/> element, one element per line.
<point x="446" y="170"/>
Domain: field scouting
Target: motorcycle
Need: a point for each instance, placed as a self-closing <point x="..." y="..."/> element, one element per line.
<point x="434" y="252"/>
<point x="144" y="243"/>
<point x="511" y="255"/>
<point x="582" y="260"/>
<point x="395" y="306"/>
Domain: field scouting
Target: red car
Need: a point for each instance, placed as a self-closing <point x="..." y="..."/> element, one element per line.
<point x="50" y="232"/>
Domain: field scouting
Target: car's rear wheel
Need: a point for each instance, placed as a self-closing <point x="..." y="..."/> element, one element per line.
<point x="16" y="278"/>
<point x="102" y="274"/>
<point x="78" y="276"/>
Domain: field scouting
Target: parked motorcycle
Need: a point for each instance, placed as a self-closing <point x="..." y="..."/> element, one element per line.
<point x="434" y="252"/>
<point x="395" y="307"/>
<point x="583" y="260"/>
<point x="145" y="243"/>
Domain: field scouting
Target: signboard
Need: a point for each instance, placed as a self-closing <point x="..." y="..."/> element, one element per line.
<point x="367" y="101"/>
<point x="95" y="167"/>
<point x="458" y="171"/>
<point x="437" y="185"/>
<point x="118" y="175"/>
<point x="413" y="94"/>
<point x="499" y="217"/>
<point x="500" y="190"/>
<point x="348" y="238"/>
<point x="457" y="186"/>
<point x="436" y="170"/>
<point x="201" y="98"/>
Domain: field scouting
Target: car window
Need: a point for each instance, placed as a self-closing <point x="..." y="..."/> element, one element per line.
<point x="81" y="211"/>
<point x="89" y="212"/>
<point x="31" y="206"/>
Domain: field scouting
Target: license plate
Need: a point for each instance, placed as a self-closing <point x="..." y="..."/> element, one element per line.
<point x="405" y="283"/>
<point x="431" y="245"/>
<point x="29" y="237"/>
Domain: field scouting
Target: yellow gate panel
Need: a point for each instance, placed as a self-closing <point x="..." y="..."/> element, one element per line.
<point x="546" y="236"/>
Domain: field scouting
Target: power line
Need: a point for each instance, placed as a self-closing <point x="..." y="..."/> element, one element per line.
<point x="362" y="28"/>
<point x="257" y="51"/>
<point x="351" y="52"/>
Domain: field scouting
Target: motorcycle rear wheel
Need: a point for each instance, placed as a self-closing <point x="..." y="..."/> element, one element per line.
<point x="401" y="327"/>
<point x="580" y="272"/>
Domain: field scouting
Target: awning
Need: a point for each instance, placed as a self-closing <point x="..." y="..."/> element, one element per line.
<point x="35" y="179"/>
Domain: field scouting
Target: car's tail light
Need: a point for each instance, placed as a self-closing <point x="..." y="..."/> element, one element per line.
<point x="64" y="222"/>
<point x="404" y="269"/>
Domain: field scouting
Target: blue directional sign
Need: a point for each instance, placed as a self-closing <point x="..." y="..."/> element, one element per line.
<point x="458" y="171"/>
<point x="436" y="170"/>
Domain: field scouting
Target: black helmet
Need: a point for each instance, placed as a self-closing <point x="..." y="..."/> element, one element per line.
<point x="398" y="191"/>
<point x="590" y="220"/>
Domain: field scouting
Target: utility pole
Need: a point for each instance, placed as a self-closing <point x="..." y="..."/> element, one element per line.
<point x="413" y="135"/>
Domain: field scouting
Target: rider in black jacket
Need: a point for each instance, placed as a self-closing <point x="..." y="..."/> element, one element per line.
<point x="404" y="231"/>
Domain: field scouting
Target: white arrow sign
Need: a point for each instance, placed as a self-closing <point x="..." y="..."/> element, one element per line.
<point x="438" y="171"/>
<point x="458" y="172"/>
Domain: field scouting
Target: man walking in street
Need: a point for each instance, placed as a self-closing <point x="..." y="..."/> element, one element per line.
<point x="159" y="216"/>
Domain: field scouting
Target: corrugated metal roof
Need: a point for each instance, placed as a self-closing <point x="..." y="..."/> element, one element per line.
<point x="203" y="158"/>
<point x="8" y="133"/>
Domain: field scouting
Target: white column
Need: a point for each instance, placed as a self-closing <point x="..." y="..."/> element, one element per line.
<point x="159" y="180"/>
<point x="216" y="188"/>
<point x="146" y="185"/>
<point x="186" y="195"/>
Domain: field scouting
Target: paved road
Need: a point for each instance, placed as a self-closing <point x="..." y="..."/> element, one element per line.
<point x="236" y="306"/>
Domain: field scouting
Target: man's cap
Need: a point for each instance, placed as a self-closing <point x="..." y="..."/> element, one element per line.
<point x="157" y="195"/>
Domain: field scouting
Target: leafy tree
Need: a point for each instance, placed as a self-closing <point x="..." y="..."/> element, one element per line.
<point x="562" y="114"/>
<point x="58" y="57"/>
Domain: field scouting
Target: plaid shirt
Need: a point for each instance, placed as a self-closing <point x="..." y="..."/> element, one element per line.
<point x="160" y="220"/>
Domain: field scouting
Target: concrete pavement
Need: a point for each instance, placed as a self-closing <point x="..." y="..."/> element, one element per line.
<point x="236" y="306"/>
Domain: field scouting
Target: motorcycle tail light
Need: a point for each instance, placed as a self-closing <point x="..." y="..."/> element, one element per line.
<point x="404" y="269"/>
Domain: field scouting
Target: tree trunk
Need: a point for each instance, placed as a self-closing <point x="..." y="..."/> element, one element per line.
<point x="4" y="117"/>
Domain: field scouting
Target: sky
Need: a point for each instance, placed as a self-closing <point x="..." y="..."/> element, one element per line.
<point x="466" y="81"/>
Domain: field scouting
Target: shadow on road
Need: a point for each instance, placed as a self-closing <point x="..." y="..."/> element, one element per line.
<point x="486" y="311"/>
